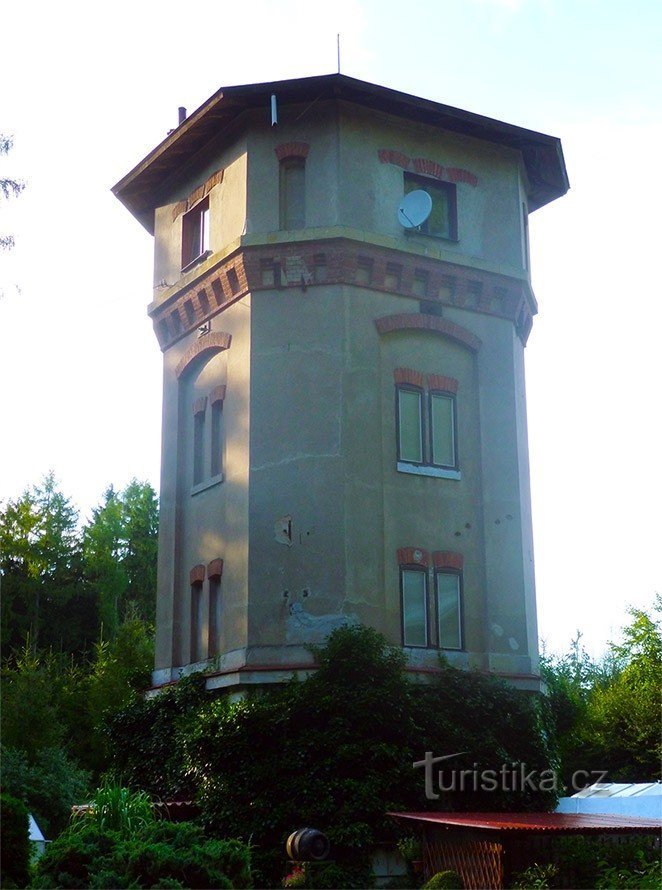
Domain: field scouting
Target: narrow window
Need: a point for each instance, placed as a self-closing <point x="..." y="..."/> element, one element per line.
<point x="292" y="193"/>
<point x="197" y="628"/>
<point x="449" y="609"/>
<point x="216" y="438"/>
<point x="214" y="616"/>
<point x="198" y="447"/>
<point x="410" y="438"/>
<point x="195" y="233"/>
<point x="414" y="607"/>
<point x="525" y="234"/>
<point x="442" y="222"/>
<point x="442" y="430"/>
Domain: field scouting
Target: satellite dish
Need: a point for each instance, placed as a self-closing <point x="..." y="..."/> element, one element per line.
<point x="414" y="209"/>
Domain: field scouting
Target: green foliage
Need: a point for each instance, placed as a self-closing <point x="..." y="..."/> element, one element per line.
<point x="606" y="714"/>
<point x="410" y="848"/>
<point x="336" y="750"/>
<point x="118" y="809"/>
<point x="49" y="786"/>
<point x="448" y="880"/>
<point x="536" y="877"/>
<point x="158" y="854"/>
<point x="14" y="842"/>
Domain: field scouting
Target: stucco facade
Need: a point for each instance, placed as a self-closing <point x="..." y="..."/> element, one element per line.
<point x="286" y="507"/>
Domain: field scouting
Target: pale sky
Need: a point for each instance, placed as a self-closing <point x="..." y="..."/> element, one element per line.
<point x="87" y="90"/>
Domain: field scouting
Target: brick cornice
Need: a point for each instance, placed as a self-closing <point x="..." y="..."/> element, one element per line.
<point x="408" y="375"/>
<point x="301" y="265"/>
<point x="215" y="569"/>
<point x="441" y="383"/>
<point x="197" y="574"/>
<point x="292" y="150"/>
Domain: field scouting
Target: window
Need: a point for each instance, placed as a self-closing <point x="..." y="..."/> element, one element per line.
<point x="195" y="233"/>
<point x="426" y="424"/>
<point x="199" y="442"/>
<point x="214" y="615"/>
<point x="216" y="437"/>
<point x="292" y="193"/>
<point x="197" y="623"/>
<point x="442" y="222"/>
<point x="414" y="593"/>
<point x="449" y="609"/>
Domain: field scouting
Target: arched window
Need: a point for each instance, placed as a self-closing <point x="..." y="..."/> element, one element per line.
<point x="293" y="193"/>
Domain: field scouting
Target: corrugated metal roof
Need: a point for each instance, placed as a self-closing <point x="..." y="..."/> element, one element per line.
<point x="538" y="822"/>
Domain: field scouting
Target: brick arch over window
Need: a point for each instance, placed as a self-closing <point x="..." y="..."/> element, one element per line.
<point x="292" y="150"/>
<point x="207" y="345"/>
<point x="417" y="321"/>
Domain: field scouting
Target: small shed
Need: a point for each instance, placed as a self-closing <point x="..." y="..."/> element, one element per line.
<point x="486" y="849"/>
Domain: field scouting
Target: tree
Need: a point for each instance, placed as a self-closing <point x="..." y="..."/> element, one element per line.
<point x="9" y="187"/>
<point x="44" y="592"/>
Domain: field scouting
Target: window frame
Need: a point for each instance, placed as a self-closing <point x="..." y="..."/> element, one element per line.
<point x="195" y="234"/>
<point x="419" y="181"/>
<point x="452" y="397"/>
<point x="421" y="570"/>
<point x="457" y="573"/>
<point x="409" y="387"/>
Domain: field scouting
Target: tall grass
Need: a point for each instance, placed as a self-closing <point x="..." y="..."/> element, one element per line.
<point x="119" y="809"/>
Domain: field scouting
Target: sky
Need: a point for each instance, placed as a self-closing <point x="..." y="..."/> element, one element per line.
<point x="87" y="90"/>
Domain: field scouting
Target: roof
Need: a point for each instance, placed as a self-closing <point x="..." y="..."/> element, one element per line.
<point x="565" y="823"/>
<point x="34" y="830"/>
<point x="622" y="789"/>
<point x="138" y="190"/>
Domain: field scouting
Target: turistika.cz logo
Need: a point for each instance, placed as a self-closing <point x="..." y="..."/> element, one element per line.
<point x="510" y="777"/>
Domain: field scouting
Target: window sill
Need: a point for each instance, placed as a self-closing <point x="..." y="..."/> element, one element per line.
<point x="208" y="483"/>
<point x="421" y="470"/>
<point x="412" y="233"/>
<point x="194" y="263"/>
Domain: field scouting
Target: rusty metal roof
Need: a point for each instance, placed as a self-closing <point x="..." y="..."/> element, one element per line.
<point x="566" y="823"/>
<point x="140" y="189"/>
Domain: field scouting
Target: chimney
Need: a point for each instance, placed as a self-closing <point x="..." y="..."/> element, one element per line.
<point x="182" y="115"/>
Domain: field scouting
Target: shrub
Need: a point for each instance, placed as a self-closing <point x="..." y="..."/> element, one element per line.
<point x="444" y="880"/>
<point x="49" y="786"/>
<point x="158" y="854"/>
<point x="15" y="842"/>
<point x="536" y="877"/>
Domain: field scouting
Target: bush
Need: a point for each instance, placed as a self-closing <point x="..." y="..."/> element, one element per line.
<point x="14" y="842"/>
<point x="444" y="880"/>
<point x="49" y="786"/>
<point x="160" y="854"/>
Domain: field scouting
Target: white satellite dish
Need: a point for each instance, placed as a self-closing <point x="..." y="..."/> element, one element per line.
<point x="414" y="209"/>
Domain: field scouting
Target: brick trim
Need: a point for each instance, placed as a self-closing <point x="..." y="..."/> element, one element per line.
<point x="426" y="167"/>
<point x="200" y="405"/>
<point x="215" y="569"/>
<point x="413" y="556"/>
<point x="447" y="559"/>
<point x="209" y="343"/>
<point x="334" y="261"/>
<point x="217" y="394"/>
<point x="197" y="574"/>
<point x="416" y="321"/>
<point x="201" y="192"/>
<point x="440" y="383"/>
<point x="407" y="375"/>
<point x="292" y="150"/>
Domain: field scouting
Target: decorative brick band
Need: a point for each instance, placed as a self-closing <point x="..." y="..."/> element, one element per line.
<point x="200" y="405"/>
<point x="406" y="375"/>
<point x="413" y="556"/>
<point x="200" y="193"/>
<point x="209" y="343"/>
<point x="416" y="321"/>
<point x="446" y="559"/>
<point x="292" y="150"/>
<point x="426" y="167"/>
<point x="217" y="394"/>
<point x="197" y="574"/>
<point x="439" y="383"/>
<point x="215" y="569"/>
<point x="305" y="264"/>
